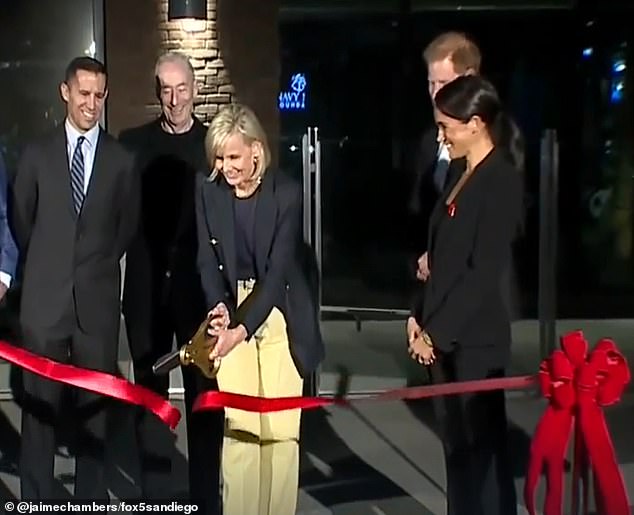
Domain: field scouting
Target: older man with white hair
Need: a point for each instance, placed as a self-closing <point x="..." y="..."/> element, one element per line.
<point x="163" y="298"/>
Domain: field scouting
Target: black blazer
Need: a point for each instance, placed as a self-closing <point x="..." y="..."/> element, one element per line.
<point x="468" y="253"/>
<point x="70" y="258"/>
<point x="425" y="192"/>
<point x="283" y="268"/>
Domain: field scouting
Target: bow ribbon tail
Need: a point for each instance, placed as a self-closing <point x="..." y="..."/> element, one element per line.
<point x="537" y="458"/>
<point x="548" y="448"/>
<point x="610" y="491"/>
<point x="579" y="472"/>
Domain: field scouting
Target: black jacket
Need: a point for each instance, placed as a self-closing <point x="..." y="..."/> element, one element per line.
<point x="468" y="254"/>
<point x="284" y="267"/>
<point x="70" y="258"/>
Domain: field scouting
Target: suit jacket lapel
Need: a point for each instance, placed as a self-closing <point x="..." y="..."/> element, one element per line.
<point x="219" y="201"/>
<point x="97" y="175"/>
<point x="61" y="166"/>
<point x="453" y="175"/>
<point x="265" y="213"/>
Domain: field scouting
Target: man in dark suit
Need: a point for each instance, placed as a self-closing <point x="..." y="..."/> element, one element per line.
<point x="75" y="208"/>
<point x="447" y="57"/>
<point x="163" y="296"/>
<point x="8" y="248"/>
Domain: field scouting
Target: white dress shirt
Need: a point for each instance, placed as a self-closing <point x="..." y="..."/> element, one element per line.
<point x="88" y="148"/>
<point x="6" y="279"/>
<point x="442" y="166"/>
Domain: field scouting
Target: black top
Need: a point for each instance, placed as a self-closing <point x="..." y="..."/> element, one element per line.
<point x="162" y="259"/>
<point x="168" y="164"/>
<point x="244" y="215"/>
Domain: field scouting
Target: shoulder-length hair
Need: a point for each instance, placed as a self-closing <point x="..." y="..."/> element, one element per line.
<point x="236" y="119"/>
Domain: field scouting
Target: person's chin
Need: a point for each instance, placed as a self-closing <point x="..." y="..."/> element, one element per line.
<point x="453" y="154"/>
<point x="86" y="125"/>
<point x="232" y="181"/>
<point x="177" y="119"/>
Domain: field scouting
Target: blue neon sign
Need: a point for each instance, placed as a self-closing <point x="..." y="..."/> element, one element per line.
<point x="294" y="98"/>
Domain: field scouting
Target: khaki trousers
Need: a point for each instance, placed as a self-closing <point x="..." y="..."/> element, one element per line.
<point x="260" y="454"/>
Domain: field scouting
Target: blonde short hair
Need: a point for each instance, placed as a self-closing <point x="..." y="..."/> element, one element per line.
<point x="236" y="119"/>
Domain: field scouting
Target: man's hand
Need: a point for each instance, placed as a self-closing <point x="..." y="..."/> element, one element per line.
<point x="3" y="290"/>
<point x="422" y="273"/>
<point x="220" y="319"/>
<point x="227" y="340"/>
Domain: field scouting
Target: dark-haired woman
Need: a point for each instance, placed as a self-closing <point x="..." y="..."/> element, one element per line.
<point x="462" y="331"/>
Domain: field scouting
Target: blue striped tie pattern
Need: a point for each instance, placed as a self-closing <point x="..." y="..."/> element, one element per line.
<point x="77" y="175"/>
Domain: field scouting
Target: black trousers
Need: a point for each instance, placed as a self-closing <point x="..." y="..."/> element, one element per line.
<point x="42" y="411"/>
<point x="474" y="435"/>
<point x="179" y="317"/>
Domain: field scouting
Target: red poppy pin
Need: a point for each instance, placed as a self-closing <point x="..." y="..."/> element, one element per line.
<point x="451" y="209"/>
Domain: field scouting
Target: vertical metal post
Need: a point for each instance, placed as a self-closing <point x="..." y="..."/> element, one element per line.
<point x="318" y="217"/>
<point x="311" y="173"/>
<point x="318" y="233"/>
<point x="308" y="189"/>
<point x="548" y="241"/>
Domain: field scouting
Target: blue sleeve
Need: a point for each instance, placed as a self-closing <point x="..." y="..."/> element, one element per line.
<point x="8" y="247"/>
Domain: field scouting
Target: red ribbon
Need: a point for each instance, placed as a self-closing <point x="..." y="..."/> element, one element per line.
<point x="578" y="385"/>
<point x="216" y="400"/>
<point x="92" y="380"/>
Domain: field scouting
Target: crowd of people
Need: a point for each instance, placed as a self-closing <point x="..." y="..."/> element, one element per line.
<point x="209" y="228"/>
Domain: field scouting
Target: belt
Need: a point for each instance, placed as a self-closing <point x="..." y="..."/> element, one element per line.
<point x="246" y="283"/>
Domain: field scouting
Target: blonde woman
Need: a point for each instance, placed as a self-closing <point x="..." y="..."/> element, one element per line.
<point x="251" y="265"/>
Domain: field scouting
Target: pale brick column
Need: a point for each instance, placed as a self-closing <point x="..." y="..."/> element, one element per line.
<point x="199" y="41"/>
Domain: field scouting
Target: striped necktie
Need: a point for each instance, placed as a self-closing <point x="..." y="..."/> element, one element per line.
<point x="77" y="175"/>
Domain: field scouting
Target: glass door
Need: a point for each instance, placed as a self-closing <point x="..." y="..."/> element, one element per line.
<point x="365" y="89"/>
<point x="597" y="166"/>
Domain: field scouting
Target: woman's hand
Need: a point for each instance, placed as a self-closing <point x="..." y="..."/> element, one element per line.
<point x="421" y="352"/>
<point x="414" y="331"/>
<point x="220" y="319"/>
<point x="226" y="340"/>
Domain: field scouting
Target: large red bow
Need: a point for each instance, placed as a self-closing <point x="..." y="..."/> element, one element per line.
<point x="577" y="386"/>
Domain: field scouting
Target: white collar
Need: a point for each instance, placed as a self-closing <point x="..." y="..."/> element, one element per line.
<point x="72" y="134"/>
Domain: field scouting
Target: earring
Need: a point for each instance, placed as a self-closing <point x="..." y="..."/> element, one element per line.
<point x="258" y="180"/>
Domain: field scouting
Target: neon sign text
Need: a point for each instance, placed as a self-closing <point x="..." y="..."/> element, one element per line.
<point x="294" y="99"/>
